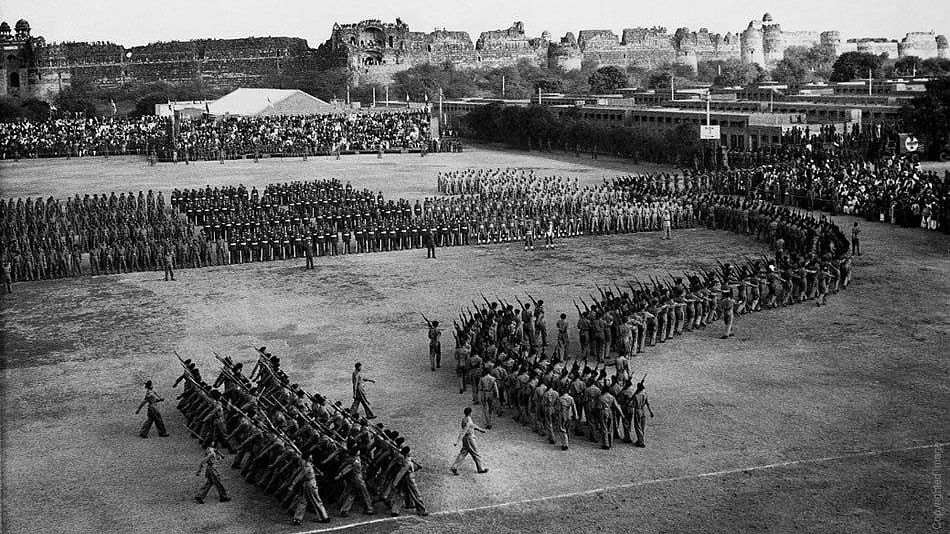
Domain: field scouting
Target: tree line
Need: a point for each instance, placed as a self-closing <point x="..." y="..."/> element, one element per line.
<point x="537" y="128"/>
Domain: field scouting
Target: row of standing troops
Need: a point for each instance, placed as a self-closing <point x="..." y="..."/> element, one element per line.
<point x="290" y="443"/>
<point x="517" y="181"/>
<point x="121" y="233"/>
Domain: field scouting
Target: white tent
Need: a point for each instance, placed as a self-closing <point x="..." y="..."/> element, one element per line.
<point x="268" y="102"/>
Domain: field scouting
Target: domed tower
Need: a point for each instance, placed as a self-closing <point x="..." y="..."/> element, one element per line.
<point x="773" y="44"/>
<point x="943" y="50"/>
<point x="22" y="29"/>
<point x="5" y="31"/>
<point x="750" y="44"/>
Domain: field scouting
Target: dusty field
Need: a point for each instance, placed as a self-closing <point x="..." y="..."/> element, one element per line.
<point x="835" y="408"/>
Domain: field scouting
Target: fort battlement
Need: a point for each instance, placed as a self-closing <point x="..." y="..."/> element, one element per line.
<point x="375" y="50"/>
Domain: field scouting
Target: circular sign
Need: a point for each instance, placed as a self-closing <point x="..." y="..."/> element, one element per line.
<point x="911" y="144"/>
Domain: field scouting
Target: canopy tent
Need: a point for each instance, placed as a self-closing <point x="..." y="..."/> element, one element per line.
<point x="269" y="102"/>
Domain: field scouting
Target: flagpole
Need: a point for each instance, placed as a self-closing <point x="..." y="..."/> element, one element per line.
<point x="374" y="96"/>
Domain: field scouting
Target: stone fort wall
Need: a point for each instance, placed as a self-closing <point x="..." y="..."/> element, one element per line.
<point x="374" y="50"/>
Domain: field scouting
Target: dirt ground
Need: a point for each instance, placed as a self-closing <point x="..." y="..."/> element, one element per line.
<point x="810" y="419"/>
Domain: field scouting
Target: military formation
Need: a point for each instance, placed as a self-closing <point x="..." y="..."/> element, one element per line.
<point x="105" y="234"/>
<point x="99" y="234"/>
<point x="501" y="349"/>
<point x="300" y="448"/>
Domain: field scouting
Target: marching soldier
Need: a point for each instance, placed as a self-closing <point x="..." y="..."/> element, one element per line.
<point x="154" y="416"/>
<point x="488" y="395"/>
<point x="211" y="475"/>
<point x="308" y="494"/>
<point x="359" y="393"/>
<point x="640" y="405"/>
<point x="469" y="446"/>
<point x="435" y="345"/>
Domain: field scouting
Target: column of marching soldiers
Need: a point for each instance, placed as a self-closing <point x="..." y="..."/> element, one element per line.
<point x="501" y="347"/>
<point x="293" y="445"/>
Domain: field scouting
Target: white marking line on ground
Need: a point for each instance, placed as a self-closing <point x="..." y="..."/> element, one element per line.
<point x="633" y="485"/>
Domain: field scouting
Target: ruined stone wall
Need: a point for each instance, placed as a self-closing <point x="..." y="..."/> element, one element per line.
<point x="920" y="44"/>
<point x="873" y="46"/>
<point x="803" y="39"/>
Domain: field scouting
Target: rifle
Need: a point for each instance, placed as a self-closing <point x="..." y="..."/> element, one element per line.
<point x="601" y="291"/>
<point x="576" y="306"/>
<point x="586" y="308"/>
<point x="644" y="377"/>
<point x="426" y="319"/>
<point x="532" y="299"/>
<point x="519" y="302"/>
<point x="486" y="300"/>
<point x="139" y="378"/>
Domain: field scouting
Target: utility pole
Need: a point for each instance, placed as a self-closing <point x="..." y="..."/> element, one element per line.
<point x="870" y="82"/>
<point x="503" y="86"/>
<point x="539" y="95"/>
<point x="672" y="93"/>
<point x="441" y="113"/>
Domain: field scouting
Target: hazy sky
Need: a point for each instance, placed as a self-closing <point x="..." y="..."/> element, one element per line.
<point x="133" y="22"/>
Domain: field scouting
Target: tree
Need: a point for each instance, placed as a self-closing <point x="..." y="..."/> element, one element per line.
<point x="907" y="66"/>
<point x="607" y="80"/>
<point x="659" y="77"/>
<point x="146" y="104"/>
<point x="854" y="65"/>
<point x="792" y="71"/>
<point x="77" y="98"/>
<point x="732" y="72"/>
<point x="928" y="116"/>
<point x="36" y="110"/>
<point x="801" y="65"/>
<point x="935" y="66"/>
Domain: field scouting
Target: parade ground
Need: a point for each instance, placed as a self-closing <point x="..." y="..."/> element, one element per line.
<point x="811" y="419"/>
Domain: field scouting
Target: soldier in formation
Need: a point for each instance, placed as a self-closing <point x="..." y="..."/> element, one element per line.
<point x="306" y="451"/>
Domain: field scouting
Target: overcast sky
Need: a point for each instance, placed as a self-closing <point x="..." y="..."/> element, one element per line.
<point x="134" y="22"/>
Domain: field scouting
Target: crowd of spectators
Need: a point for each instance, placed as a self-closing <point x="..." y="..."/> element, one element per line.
<point x="297" y="135"/>
<point x="212" y="138"/>
<point x="893" y="189"/>
<point x="80" y="136"/>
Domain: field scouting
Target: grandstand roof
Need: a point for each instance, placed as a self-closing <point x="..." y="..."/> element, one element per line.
<point x="267" y="102"/>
